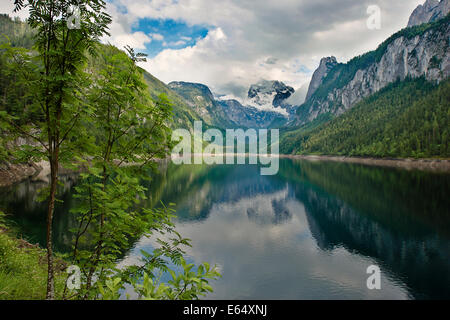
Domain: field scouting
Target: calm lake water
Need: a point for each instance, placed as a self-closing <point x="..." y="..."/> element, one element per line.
<point x="309" y="232"/>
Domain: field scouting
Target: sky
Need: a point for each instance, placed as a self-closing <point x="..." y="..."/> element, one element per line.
<point x="231" y="44"/>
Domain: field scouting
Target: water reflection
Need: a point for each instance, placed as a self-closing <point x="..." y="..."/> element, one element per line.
<point x="308" y="233"/>
<point x="294" y="237"/>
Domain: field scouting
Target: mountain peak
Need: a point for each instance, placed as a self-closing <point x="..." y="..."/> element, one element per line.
<point x="430" y="11"/>
<point x="267" y="92"/>
<point x="325" y="66"/>
<point x="180" y="84"/>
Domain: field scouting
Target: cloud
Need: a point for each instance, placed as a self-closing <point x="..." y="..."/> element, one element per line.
<point x="271" y="60"/>
<point x="250" y="40"/>
<point x="8" y="8"/>
<point x="270" y="39"/>
<point x="157" y="36"/>
<point x="177" y="43"/>
<point x="136" y="40"/>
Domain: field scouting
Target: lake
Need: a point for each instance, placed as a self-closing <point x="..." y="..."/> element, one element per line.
<point x="309" y="232"/>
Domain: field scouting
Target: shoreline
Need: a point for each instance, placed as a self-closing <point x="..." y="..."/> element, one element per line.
<point x="436" y="165"/>
<point x="11" y="174"/>
<point x="16" y="173"/>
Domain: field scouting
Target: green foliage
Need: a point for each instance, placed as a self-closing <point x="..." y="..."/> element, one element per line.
<point x="128" y="131"/>
<point x="2" y="220"/>
<point x="291" y="139"/>
<point x="18" y="32"/>
<point x="103" y="119"/>
<point x="187" y="285"/>
<point x="23" y="270"/>
<point x="53" y="76"/>
<point x="202" y="102"/>
<point x="406" y="119"/>
<point x="183" y="115"/>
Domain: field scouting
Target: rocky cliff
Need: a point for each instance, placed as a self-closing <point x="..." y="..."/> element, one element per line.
<point x="326" y="64"/>
<point x="412" y="52"/>
<point x="430" y="11"/>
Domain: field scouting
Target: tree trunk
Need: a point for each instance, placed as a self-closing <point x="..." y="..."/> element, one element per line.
<point x="51" y="208"/>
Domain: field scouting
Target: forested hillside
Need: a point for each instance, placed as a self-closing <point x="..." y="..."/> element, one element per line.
<point x="19" y="34"/>
<point x="406" y="119"/>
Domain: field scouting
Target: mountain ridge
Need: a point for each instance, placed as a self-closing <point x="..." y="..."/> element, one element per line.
<point x="430" y="11"/>
<point x="412" y="52"/>
<point x="231" y="113"/>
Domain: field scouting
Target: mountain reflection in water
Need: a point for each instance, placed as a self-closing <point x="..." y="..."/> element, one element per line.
<point x="310" y="232"/>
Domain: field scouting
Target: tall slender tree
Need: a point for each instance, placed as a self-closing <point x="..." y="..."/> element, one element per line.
<point x="67" y="31"/>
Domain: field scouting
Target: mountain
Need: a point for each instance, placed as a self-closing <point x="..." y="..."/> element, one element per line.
<point x="251" y="117"/>
<point x="200" y="99"/>
<point x="430" y="11"/>
<point x="270" y="95"/>
<point x="299" y="96"/>
<point x="325" y="66"/>
<point x="405" y="119"/>
<point x="20" y="34"/>
<point x="412" y="52"/>
<point x="227" y="113"/>
<point x="390" y="102"/>
<point x="184" y="115"/>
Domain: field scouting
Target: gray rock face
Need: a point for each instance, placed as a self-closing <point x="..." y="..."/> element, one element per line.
<point x="427" y="54"/>
<point x="326" y="64"/>
<point x="430" y="11"/>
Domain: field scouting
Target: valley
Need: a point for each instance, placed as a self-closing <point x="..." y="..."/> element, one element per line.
<point x="296" y="152"/>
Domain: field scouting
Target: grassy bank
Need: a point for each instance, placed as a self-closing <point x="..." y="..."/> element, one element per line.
<point x="23" y="268"/>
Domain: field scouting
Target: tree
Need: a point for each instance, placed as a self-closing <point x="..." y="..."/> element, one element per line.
<point x="86" y="106"/>
<point x="128" y="130"/>
<point x="56" y="84"/>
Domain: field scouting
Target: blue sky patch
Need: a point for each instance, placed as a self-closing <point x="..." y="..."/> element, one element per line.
<point x="303" y="69"/>
<point x="175" y="34"/>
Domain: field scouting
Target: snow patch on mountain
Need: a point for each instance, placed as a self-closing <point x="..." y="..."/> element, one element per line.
<point x="263" y="103"/>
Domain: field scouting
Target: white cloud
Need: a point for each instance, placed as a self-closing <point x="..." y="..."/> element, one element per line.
<point x="177" y="43"/>
<point x="157" y="36"/>
<point x="8" y="7"/>
<point x="252" y="40"/>
<point x="136" y="40"/>
<point x="269" y="39"/>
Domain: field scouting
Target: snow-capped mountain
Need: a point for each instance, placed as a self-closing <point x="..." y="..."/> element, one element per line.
<point x="270" y="96"/>
<point x="264" y="107"/>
